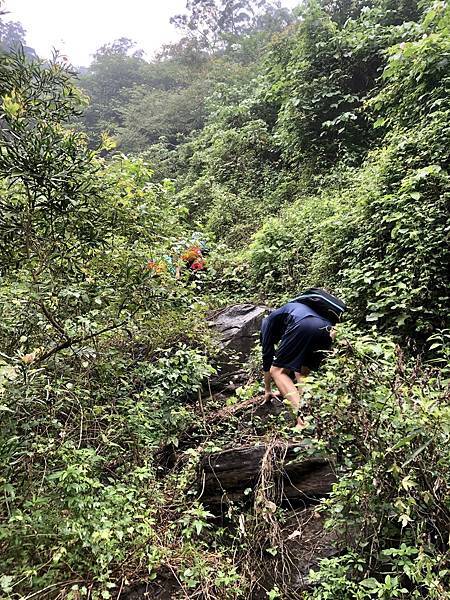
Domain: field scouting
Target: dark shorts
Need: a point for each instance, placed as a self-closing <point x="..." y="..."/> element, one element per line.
<point x="303" y="344"/>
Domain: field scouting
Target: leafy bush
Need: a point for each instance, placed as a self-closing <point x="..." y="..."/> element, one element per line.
<point x="377" y="234"/>
<point x="99" y="355"/>
<point x="386" y="419"/>
<point x="396" y="267"/>
<point x="321" y="75"/>
<point x="301" y="247"/>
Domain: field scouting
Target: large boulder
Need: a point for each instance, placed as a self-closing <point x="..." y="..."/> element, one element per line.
<point x="237" y="328"/>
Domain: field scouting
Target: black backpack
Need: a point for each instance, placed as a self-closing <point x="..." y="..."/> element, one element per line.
<point x="326" y="305"/>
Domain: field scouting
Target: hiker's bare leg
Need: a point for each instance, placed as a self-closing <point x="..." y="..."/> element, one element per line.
<point x="300" y="378"/>
<point x="288" y="388"/>
<point x="267" y="385"/>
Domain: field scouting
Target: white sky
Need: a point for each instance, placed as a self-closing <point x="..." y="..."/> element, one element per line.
<point x="79" y="27"/>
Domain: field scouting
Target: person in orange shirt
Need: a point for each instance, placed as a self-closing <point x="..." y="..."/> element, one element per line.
<point x="193" y="258"/>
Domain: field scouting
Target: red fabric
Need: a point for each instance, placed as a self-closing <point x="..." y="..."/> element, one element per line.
<point x="194" y="259"/>
<point x="198" y="265"/>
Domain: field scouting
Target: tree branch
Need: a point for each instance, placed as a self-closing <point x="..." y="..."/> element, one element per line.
<point x="70" y="342"/>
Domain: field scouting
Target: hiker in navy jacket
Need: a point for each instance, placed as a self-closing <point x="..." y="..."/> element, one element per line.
<point x="302" y="336"/>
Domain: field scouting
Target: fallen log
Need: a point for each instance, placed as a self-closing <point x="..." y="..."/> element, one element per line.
<point x="232" y="474"/>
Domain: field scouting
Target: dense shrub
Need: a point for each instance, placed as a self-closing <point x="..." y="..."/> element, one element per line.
<point x="302" y="246"/>
<point x="380" y="237"/>
<point x="99" y="354"/>
<point x="386" y="419"/>
<point x="397" y="266"/>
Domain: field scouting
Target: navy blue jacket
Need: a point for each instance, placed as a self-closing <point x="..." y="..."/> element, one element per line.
<point x="274" y="326"/>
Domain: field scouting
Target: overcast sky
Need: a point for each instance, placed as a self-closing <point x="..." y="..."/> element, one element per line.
<point x="79" y="27"/>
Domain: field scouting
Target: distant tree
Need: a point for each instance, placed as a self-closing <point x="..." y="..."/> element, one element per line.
<point x="274" y="18"/>
<point x="123" y="59"/>
<point x="216" y="24"/>
<point x="141" y="102"/>
<point x="12" y="36"/>
<point x="121" y="47"/>
<point x="188" y="51"/>
<point x="11" y="33"/>
<point x="116" y="69"/>
<point x="155" y="114"/>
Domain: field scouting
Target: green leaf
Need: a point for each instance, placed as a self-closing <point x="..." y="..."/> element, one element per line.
<point x="374" y="316"/>
<point x="370" y="583"/>
<point x="5" y="583"/>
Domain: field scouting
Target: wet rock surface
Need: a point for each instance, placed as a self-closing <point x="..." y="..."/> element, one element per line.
<point x="237" y="331"/>
<point x="235" y="473"/>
